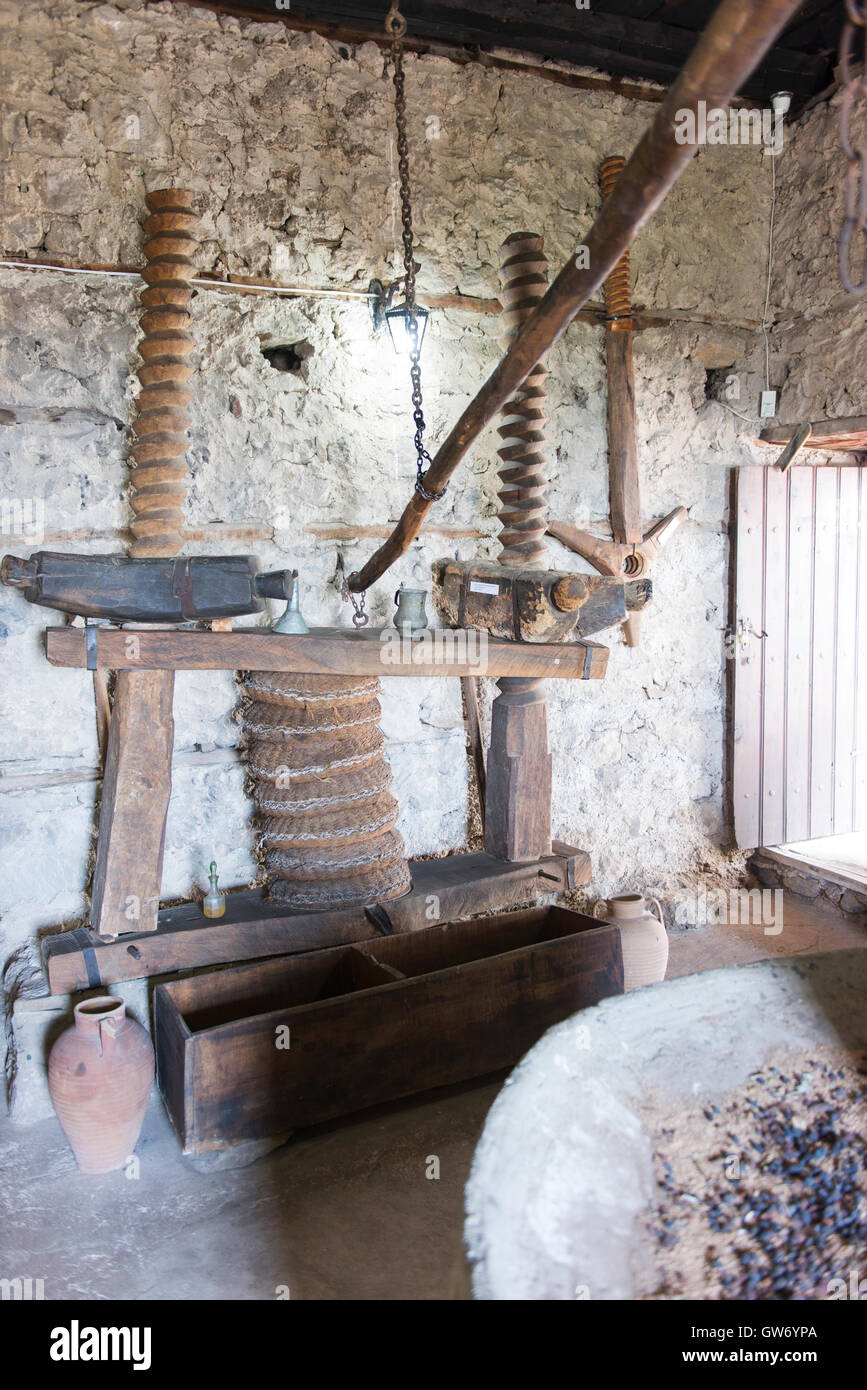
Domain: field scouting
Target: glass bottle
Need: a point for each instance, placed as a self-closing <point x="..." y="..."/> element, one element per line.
<point x="214" y="902"/>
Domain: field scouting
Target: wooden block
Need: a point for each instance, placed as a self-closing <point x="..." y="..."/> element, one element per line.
<point x="848" y="434"/>
<point x="518" y="797"/>
<point x="324" y="651"/>
<point x="528" y="605"/>
<point x="125" y="896"/>
<point x="443" y="890"/>
<point x="120" y="588"/>
<point x="265" y="1049"/>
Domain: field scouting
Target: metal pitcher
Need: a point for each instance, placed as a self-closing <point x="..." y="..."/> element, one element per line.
<point x="410" y="616"/>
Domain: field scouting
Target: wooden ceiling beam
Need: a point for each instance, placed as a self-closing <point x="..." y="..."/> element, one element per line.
<point x="620" y="45"/>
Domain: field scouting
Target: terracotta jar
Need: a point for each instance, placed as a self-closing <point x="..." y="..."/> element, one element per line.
<point x="642" y="935"/>
<point x="100" y="1074"/>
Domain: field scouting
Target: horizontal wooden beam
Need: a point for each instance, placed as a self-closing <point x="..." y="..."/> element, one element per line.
<point x="848" y="434"/>
<point x="624" y="46"/>
<point x="593" y="313"/>
<point x="444" y="890"/>
<point x="324" y="651"/>
<point x="453" y="51"/>
<point x="349" y="533"/>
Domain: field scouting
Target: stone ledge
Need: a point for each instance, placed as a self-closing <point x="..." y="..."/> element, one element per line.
<point x="773" y="872"/>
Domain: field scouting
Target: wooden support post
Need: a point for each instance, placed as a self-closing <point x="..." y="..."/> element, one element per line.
<point x="624" y="489"/>
<point x="135" y="797"/>
<point x="518" y="779"/>
<point x="518" y="799"/>
<point x="631" y="550"/>
<point x="137" y="783"/>
<point x="474" y="732"/>
<point x="623" y="484"/>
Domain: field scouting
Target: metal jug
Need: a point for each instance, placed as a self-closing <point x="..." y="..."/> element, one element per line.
<point x="410" y="616"/>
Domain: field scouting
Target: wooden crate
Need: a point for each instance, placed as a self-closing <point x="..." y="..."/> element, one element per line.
<point x="370" y="1022"/>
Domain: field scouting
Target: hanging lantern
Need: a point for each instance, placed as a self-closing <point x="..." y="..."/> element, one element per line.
<point x="398" y="320"/>
<point x="397" y="316"/>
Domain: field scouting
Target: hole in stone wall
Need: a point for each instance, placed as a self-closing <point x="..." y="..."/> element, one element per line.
<point x="721" y="383"/>
<point x="287" y="357"/>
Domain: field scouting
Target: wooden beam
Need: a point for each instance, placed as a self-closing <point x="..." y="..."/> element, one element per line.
<point x="443" y="890"/>
<point x="738" y="36"/>
<point x="491" y="57"/>
<point x="325" y="650"/>
<point x="611" y="43"/>
<point x="351" y="533"/>
<point x="793" y="448"/>
<point x="593" y="313"/>
<point x="474" y="733"/>
<point x="623" y="480"/>
<point x="519" y="769"/>
<point x="848" y="434"/>
<point x="136" y="787"/>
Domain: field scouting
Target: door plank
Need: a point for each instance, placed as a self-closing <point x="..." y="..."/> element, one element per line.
<point x="860" y="790"/>
<point x="843" y="800"/>
<point x="823" y="653"/>
<point x="775" y="627"/>
<point x="800" y="629"/>
<point x="747" y="751"/>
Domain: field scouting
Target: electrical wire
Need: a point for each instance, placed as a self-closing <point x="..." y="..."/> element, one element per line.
<point x="765" y="323"/>
<point x="297" y="290"/>
<point x="737" y="412"/>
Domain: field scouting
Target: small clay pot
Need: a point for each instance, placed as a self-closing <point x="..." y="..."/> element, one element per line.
<point x="642" y="936"/>
<point x="100" y="1074"/>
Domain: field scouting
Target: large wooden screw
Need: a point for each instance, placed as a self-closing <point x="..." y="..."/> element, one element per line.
<point x="158" y="479"/>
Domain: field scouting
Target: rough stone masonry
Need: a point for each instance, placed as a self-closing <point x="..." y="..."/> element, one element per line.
<point x="288" y="140"/>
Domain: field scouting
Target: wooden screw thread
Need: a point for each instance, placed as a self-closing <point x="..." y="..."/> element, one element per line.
<point x="523" y="499"/>
<point x="617" y="288"/>
<point x="158" y="478"/>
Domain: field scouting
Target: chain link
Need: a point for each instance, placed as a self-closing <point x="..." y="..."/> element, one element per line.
<point x="854" y="86"/>
<point x="359" y="617"/>
<point x="395" y="25"/>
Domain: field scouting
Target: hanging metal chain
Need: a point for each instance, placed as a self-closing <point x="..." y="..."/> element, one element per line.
<point x="395" y="27"/>
<point x="359" y="617"/>
<point x="854" y="86"/>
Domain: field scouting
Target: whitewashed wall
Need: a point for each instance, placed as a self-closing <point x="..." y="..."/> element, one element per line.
<point x="287" y="138"/>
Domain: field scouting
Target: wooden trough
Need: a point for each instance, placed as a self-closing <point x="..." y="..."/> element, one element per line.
<point x="256" y="1052"/>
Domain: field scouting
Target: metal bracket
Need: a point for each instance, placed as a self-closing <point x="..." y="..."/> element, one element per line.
<point x="82" y="938"/>
<point x="379" y="918"/>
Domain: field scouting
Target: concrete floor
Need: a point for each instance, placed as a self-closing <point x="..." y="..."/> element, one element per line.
<point x="343" y="1212"/>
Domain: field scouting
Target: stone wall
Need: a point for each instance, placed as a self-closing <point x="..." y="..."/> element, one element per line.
<point x="819" y="345"/>
<point x="287" y="139"/>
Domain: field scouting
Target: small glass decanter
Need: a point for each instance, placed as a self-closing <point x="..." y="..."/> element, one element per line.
<point x="214" y="902"/>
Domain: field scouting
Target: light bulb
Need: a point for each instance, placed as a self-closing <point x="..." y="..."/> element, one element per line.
<point x="780" y="103"/>
<point x="398" y="326"/>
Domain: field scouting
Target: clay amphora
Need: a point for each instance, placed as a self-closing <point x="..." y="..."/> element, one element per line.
<point x="642" y="935"/>
<point x="100" y="1074"/>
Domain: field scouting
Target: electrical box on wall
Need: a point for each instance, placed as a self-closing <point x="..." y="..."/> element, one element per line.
<point x="768" y="405"/>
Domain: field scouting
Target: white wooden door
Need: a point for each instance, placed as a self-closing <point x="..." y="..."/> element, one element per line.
<point x="799" y="647"/>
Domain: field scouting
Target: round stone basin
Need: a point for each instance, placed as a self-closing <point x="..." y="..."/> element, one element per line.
<point x="562" y="1179"/>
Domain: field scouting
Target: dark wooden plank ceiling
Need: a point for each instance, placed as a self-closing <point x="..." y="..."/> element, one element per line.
<point x="632" y="39"/>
